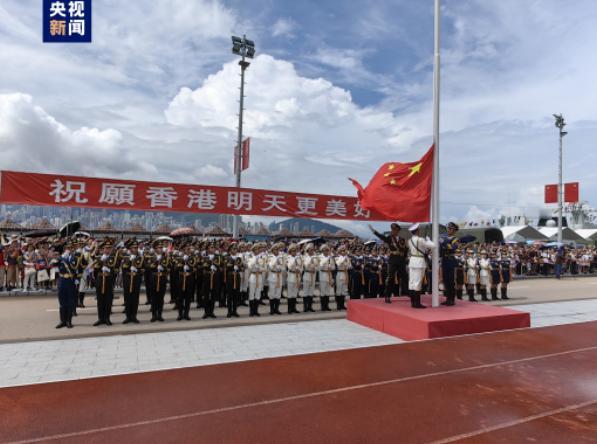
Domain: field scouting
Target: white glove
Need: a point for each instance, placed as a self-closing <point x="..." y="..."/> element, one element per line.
<point x="159" y="257"/>
<point x="133" y="257"/>
<point x="105" y="269"/>
<point x="236" y="268"/>
<point x="134" y="269"/>
<point x="186" y="268"/>
<point x="185" y="257"/>
<point x="213" y="268"/>
<point x="104" y="257"/>
<point x="160" y="268"/>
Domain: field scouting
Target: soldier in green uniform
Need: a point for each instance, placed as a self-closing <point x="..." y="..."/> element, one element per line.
<point x="234" y="270"/>
<point x="132" y="264"/>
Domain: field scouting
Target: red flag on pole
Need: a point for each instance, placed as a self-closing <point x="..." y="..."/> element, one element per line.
<point x="400" y="191"/>
<point x="246" y="150"/>
<point x="551" y="193"/>
<point x="571" y="194"/>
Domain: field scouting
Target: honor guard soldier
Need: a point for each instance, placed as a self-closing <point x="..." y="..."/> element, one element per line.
<point x="325" y="267"/>
<point x="67" y="285"/>
<point x="494" y="265"/>
<point x="158" y="282"/>
<point x="417" y="264"/>
<point x="484" y="271"/>
<point x="397" y="276"/>
<point x="148" y="254"/>
<point x="505" y="272"/>
<point x="105" y="268"/>
<point x="448" y="245"/>
<point x="185" y="268"/>
<point x="459" y="272"/>
<point x="294" y="269"/>
<point x="357" y="274"/>
<point x="310" y="265"/>
<point x="257" y="266"/>
<point x="234" y="272"/>
<point x="199" y="274"/>
<point x="132" y="272"/>
<point x="211" y="275"/>
<point x="471" y="274"/>
<point x="343" y="264"/>
<point x="83" y="260"/>
<point x="275" y="267"/>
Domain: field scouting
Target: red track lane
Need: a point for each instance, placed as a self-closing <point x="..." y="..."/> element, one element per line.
<point x="470" y="388"/>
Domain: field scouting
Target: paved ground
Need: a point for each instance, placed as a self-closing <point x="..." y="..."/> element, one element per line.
<point x="34" y="317"/>
<point x="66" y="359"/>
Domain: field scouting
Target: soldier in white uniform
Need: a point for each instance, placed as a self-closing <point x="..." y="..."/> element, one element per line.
<point x="275" y="267"/>
<point x="325" y="269"/>
<point x="294" y="268"/>
<point x="244" y="279"/>
<point x="484" y="267"/>
<point x="257" y="265"/>
<point x="343" y="264"/>
<point x="472" y="266"/>
<point x="310" y="268"/>
<point x="417" y="264"/>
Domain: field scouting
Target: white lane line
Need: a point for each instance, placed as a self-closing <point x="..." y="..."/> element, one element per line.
<point x="516" y="422"/>
<point x="291" y="398"/>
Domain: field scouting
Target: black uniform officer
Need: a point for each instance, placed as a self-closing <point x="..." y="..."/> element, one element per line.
<point x="494" y="270"/>
<point x="186" y="283"/>
<point x="397" y="275"/>
<point x="105" y="266"/>
<point x="160" y="269"/>
<point x="505" y="272"/>
<point x="357" y="274"/>
<point x="448" y="245"/>
<point x="211" y="281"/>
<point x="132" y="271"/>
<point x="233" y="271"/>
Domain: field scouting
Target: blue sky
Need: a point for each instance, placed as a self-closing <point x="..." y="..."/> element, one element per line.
<point x="337" y="89"/>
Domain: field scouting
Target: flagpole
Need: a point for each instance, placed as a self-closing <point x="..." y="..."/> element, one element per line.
<point x="435" y="177"/>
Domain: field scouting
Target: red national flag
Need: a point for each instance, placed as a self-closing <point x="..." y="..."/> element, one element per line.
<point x="571" y="192"/>
<point x="400" y="191"/>
<point x="551" y="193"/>
<point x="246" y="150"/>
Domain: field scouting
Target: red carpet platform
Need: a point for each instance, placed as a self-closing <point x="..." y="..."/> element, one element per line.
<point x="400" y="320"/>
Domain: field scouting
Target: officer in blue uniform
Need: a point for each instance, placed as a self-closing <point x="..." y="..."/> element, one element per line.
<point x="494" y="270"/>
<point x="67" y="286"/>
<point x="448" y="245"/>
<point x="505" y="268"/>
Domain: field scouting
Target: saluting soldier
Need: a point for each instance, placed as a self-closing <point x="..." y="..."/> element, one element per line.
<point x="357" y="274"/>
<point x="472" y="267"/>
<point x="67" y="285"/>
<point x="132" y="272"/>
<point x="234" y="270"/>
<point x="211" y="285"/>
<point x="275" y="267"/>
<point x="159" y="268"/>
<point x="105" y="268"/>
<point x="448" y="245"/>
<point x="343" y="264"/>
<point x="325" y="267"/>
<point x="294" y="267"/>
<point x="419" y="248"/>
<point x="397" y="276"/>
<point x="505" y="272"/>
<point x="310" y="264"/>
<point x="185" y="269"/>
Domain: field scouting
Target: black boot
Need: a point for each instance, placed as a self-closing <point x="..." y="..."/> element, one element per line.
<point x="271" y="306"/>
<point x="416" y="300"/>
<point x="494" y="294"/>
<point x="459" y="293"/>
<point x="62" y="318"/>
<point x="311" y="304"/>
<point x="256" y="311"/>
<point x="154" y="315"/>
<point x="484" y="294"/>
<point x="305" y="304"/>
<point x="504" y="293"/>
<point x="471" y="294"/>
<point x="69" y="320"/>
<point x="81" y="299"/>
<point x="291" y="303"/>
<point x="277" y="307"/>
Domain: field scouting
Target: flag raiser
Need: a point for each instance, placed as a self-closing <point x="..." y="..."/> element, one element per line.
<point x="400" y="191"/>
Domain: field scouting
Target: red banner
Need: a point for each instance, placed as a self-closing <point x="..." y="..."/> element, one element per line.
<point x="73" y="191"/>
<point x="571" y="194"/>
<point x="246" y="150"/>
<point x="551" y="194"/>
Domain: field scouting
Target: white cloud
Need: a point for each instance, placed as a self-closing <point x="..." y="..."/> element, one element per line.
<point x="32" y="140"/>
<point x="284" y="27"/>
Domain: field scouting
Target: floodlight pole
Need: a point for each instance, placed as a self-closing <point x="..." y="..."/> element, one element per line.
<point x="560" y="124"/>
<point x="435" y="177"/>
<point x="238" y="152"/>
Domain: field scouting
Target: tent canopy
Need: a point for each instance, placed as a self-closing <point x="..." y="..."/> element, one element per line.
<point x="522" y="233"/>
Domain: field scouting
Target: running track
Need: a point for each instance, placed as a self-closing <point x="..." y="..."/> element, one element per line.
<point x="536" y="385"/>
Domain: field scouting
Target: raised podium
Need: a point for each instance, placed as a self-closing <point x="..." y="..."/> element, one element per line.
<point x="400" y="320"/>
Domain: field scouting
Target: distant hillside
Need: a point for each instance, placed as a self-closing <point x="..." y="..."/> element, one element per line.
<point x="314" y="226"/>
